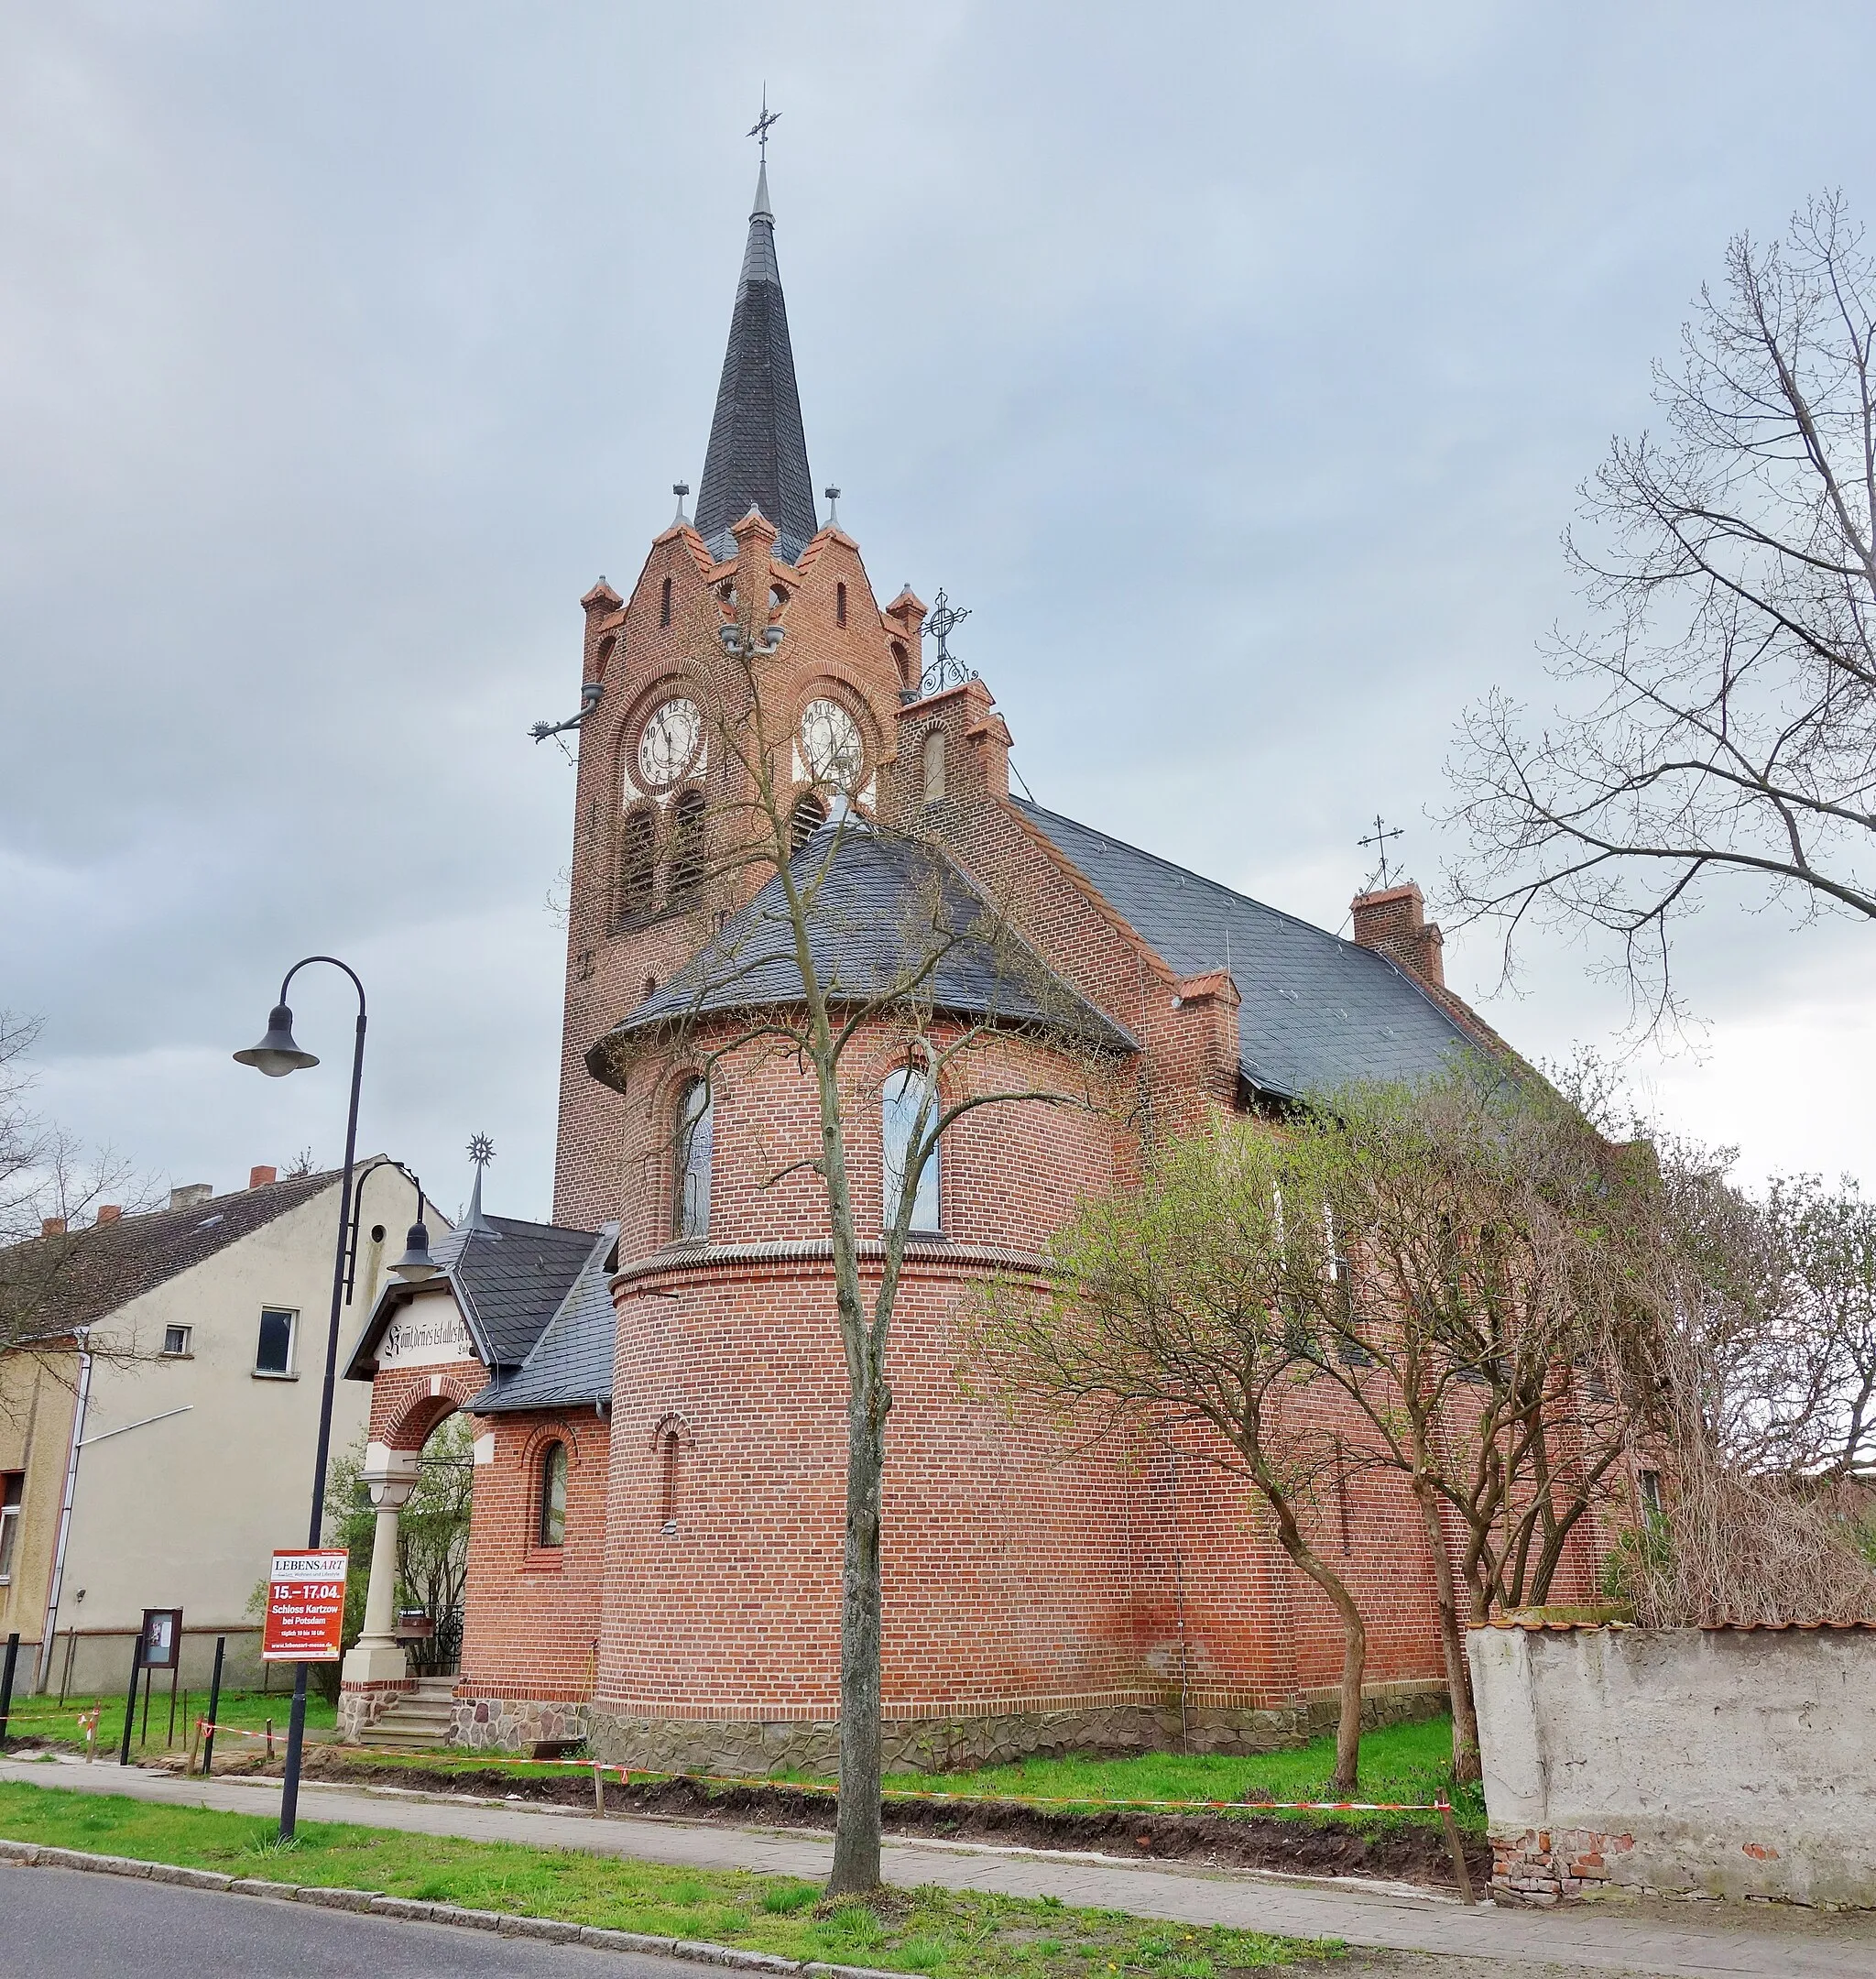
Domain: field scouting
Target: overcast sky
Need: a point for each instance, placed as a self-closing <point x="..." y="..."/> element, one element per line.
<point x="1234" y="364"/>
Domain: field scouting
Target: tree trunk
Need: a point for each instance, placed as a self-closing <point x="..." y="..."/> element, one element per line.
<point x="1354" y="1638"/>
<point x="1465" y="1764"/>
<point x="856" y="1823"/>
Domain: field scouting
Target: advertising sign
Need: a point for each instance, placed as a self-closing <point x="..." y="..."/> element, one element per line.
<point x="305" y="1607"/>
<point x="162" y="1637"/>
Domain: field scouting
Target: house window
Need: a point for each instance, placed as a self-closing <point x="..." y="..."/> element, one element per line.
<point x="176" y="1339"/>
<point x="840" y="604"/>
<point x="273" y="1352"/>
<point x="664" y="602"/>
<point x="1649" y="1483"/>
<point x="810" y="816"/>
<point x="637" y="853"/>
<point x="687" y="847"/>
<point x="691" y="1191"/>
<point x="12" y="1483"/>
<point x="552" y="1529"/>
<point x="908" y="1097"/>
<point x="934" y="766"/>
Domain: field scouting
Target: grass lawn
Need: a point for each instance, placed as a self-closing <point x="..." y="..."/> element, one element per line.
<point x="44" y="1717"/>
<point x="958" y="1934"/>
<point x="1403" y="1762"/>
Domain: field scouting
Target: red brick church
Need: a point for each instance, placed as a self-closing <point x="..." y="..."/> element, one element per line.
<point x="656" y="1379"/>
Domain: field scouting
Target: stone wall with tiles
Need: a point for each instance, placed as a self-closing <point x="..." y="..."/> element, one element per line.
<point x="1725" y="1761"/>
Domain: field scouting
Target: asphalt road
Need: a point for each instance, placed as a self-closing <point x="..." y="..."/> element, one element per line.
<point x="69" y="1924"/>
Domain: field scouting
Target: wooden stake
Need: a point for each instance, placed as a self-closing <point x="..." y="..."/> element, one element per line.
<point x="1453" y="1843"/>
<point x="195" y="1747"/>
<point x="598" y="1791"/>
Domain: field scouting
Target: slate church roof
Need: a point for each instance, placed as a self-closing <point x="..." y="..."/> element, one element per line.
<point x="508" y="1286"/>
<point x="884" y="905"/>
<point x="569" y="1364"/>
<point x="1318" y="1011"/>
<point x="757" y="453"/>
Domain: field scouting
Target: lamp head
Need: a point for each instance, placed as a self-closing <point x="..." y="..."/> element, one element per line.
<point x="276" y="1054"/>
<point x="416" y="1264"/>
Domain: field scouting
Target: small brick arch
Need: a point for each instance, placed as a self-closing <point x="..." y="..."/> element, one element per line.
<point x="413" y="1425"/>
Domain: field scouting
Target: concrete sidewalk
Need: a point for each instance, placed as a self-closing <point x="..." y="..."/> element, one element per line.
<point x="1690" y="1942"/>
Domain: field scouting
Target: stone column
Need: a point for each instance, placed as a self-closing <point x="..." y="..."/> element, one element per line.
<point x="377" y="1658"/>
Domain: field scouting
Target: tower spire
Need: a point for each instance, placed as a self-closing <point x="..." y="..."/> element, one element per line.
<point x="757" y="453"/>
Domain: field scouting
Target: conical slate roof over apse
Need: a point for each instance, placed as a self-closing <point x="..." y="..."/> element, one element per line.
<point x="759" y="454"/>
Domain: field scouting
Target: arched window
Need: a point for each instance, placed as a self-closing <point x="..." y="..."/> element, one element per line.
<point x="552" y="1528"/>
<point x="687" y="847"/>
<point x="638" y="862"/>
<point x="664" y="602"/>
<point x="667" y="1482"/>
<point x="902" y="660"/>
<point x="691" y="1172"/>
<point x="810" y="816"/>
<point x="840" y="604"/>
<point x="909" y="1094"/>
<point x="934" y="766"/>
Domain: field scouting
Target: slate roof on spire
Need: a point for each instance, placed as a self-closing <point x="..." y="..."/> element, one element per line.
<point x="758" y="453"/>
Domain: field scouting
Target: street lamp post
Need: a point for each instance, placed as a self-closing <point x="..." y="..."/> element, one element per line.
<point x="277" y="1055"/>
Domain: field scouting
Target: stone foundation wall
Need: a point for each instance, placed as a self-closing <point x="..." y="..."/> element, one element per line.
<point x="517" y="1724"/>
<point x="944" y="1744"/>
<point x="361" y="1705"/>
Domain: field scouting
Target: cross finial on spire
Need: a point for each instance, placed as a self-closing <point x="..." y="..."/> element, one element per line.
<point x="1378" y="838"/>
<point x="758" y="130"/>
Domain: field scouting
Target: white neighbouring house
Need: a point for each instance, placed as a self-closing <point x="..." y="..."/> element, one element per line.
<point x="190" y="1461"/>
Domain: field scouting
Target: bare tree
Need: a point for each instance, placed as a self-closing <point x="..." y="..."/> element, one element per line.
<point x="801" y="978"/>
<point x="48" y="1186"/>
<point x="1730" y="564"/>
<point x="1166" y="1311"/>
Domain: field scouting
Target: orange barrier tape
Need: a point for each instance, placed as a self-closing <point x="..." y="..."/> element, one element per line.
<point x="628" y="1773"/>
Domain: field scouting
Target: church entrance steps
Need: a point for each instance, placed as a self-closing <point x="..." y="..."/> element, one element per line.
<point x="418" y="1720"/>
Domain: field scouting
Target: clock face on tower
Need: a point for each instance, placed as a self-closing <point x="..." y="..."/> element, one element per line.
<point x="831" y="744"/>
<point x="667" y="745"/>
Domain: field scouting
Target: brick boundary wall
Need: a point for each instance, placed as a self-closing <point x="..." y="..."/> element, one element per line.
<point x="1731" y="1761"/>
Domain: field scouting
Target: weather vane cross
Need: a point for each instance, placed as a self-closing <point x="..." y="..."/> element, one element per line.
<point x="758" y="130"/>
<point x="947" y="669"/>
<point x="1379" y="839"/>
<point x="481" y="1149"/>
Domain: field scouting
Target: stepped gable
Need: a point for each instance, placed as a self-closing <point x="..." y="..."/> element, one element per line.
<point x="571" y="1364"/>
<point x="881" y="902"/>
<point x="1317" y="1011"/>
<point x="757" y="456"/>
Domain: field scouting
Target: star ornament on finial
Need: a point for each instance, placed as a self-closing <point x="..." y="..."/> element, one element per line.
<point x="1378" y="838"/>
<point x="481" y="1149"/>
<point x="760" y="129"/>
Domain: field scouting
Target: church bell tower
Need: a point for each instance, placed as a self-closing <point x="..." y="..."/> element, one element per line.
<point x="651" y="784"/>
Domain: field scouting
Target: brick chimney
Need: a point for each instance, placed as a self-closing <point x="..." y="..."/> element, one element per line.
<point x="52" y="1225"/>
<point x="260" y="1177"/>
<point x="108" y="1212"/>
<point x="1394" y="922"/>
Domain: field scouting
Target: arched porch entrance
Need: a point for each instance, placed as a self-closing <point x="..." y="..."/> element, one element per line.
<point x="378" y="1667"/>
